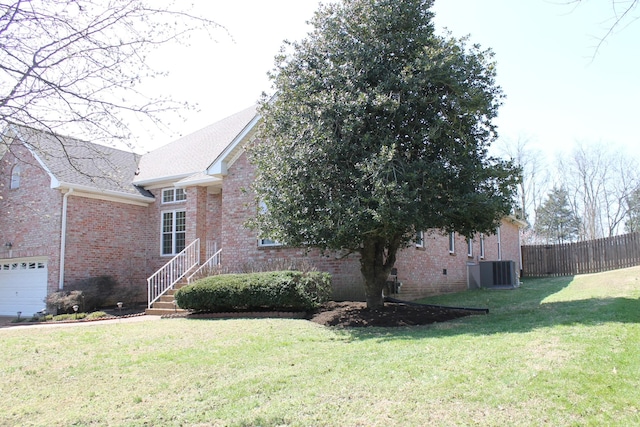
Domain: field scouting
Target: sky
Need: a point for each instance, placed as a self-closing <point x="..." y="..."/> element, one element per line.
<point x="560" y="88"/>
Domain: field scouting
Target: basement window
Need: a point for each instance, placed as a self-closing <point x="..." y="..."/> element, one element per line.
<point x="268" y="242"/>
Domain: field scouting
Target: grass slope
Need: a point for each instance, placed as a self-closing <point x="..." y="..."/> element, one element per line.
<point x="555" y="352"/>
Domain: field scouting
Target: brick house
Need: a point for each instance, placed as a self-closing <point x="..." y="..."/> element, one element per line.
<point x="89" y="210"/>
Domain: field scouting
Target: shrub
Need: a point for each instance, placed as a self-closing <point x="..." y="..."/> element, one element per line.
<point x="97" y="291"/>
<point x="280" y="290"/>
<point x="278" y="264"/>
<point x="39" y="318"/>
<point x="63" y="317"/>
<point x="63" y="301"/>
<point x="97" y="315"/>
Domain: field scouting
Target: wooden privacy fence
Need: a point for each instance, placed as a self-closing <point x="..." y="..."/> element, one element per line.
<point x="590" y="256"/>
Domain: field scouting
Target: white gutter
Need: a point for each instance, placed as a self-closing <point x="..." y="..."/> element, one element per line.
<point x="63" y="237"/>
<point x="55" y="184"/>
<point x="161" y="180"/>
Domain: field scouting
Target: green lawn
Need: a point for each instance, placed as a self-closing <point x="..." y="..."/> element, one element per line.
<point x="554" y="352"/>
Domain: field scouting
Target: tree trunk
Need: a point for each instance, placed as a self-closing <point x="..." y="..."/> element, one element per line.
<point x="377" y="258"/>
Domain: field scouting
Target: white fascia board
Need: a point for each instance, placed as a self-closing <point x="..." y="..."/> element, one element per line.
<point x="520" y="223"/>
<point x="109" y="195"/>
<point x="204" y="181"/>
<point x="54" y="181"/>
<point x="162" y="181"/>
<point x="219" y="166"/>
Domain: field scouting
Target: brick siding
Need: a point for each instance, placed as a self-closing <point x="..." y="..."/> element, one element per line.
<point x="421" y="270"/>
<point x="123" y="240"/>
<point x="30" y="215"/>
<point x="108" y="238"/>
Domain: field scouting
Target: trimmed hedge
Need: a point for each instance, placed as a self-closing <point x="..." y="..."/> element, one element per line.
<point x="273" y="290"/>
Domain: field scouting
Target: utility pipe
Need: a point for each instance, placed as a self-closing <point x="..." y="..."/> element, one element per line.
<point x="63" y="237"/>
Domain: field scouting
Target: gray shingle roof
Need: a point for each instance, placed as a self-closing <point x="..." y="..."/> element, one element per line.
<point x="192" y="154"/>
<point x="102" y="168"/>
<point x="82" y="163"/>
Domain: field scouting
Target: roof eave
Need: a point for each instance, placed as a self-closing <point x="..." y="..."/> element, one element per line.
<point x="219" y="166"/>
<point x="204" y="181"/>
<point x="161" y="180"/>
<point x="519" y="222"/>
<point x="106" y="194"/>
<point x="33" y="152"/>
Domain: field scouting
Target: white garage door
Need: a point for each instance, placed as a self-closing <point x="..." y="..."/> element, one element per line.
<point x="23" y="286"/>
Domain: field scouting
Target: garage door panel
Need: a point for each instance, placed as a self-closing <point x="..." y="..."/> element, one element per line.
<point x="23" y="287"/>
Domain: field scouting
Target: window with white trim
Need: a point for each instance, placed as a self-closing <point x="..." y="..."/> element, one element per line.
<point x="470" y="248"/>
<point x="499" y="244"/>
<point x="173" y="195"/>
<point x="482" y="246"/>
<point x="265" y="241"/>
<point x="174" y="227"/>
<point x="268" y="242"/>
<point x="15" y="177"/>
<point x="452" y="243"/>
<point x="420" y="239"/>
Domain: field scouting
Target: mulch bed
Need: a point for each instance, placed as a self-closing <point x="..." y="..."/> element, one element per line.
<point x="337" y="314"/>
<point x="356" y="314"/>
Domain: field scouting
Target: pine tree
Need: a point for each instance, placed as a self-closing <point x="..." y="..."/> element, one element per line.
<point x="632" y="224"/>
<point x="555" y="220"/>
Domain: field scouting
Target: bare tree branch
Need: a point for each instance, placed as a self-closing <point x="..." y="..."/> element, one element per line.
<point x="599" y="181"/>
<point x="75" y="67"/>
<point x="622" y="16"/>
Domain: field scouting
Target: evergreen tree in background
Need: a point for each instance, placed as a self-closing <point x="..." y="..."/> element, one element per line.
<point x="555" y="220"/>
<point x="632" y="224"/>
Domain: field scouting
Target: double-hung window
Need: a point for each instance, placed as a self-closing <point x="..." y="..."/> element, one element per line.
<point x="420" y="239"/>
<point x="173" y="195"/>
<point x="262" y="206"/>
<point x="174" y="228"/>
<point x="452" y="243"/>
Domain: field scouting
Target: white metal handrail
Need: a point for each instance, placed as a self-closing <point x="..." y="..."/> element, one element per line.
<point x="212" y="263"/>
<point x="171" y="273"/>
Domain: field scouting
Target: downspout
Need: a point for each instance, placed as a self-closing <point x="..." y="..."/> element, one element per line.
<point x="63" y="237"/>
<point x="520" y="250"/>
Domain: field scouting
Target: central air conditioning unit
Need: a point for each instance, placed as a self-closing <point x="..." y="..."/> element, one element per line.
<point x="492" y="274"/>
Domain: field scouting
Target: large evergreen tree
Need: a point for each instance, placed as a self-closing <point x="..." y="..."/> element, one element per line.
<point x="379" y="129"/>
